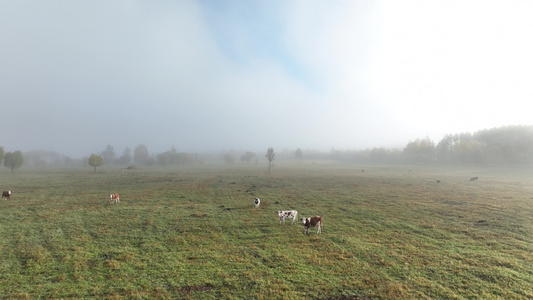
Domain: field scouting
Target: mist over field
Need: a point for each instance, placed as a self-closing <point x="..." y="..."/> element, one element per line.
<point x="363" y="79"/>
<point x="405" y="125"/>
<point x="509" y="145"/>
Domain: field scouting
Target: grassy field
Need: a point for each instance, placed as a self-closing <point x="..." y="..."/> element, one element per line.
<point x="390" y="232"/>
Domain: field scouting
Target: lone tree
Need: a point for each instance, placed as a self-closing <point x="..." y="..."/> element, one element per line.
<point x="1" y="154"/>
<point x="95" y="161"/>
<point x="299" y="154"/>
<point x="109" y="155"/>
<point x="229" y="158"/>
<point x="125" y="158"/>
<point x="13" y="160"/>
<point x="248" y="156"/>
<point x="141" y="155"/>
<point x="270" y="156"/>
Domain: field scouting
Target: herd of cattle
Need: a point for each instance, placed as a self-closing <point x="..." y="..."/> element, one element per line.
<point x="282" y="214"/>
<point x="293" y="216"/>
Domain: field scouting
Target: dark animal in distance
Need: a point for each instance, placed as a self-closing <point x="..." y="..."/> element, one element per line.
<point x="473" y="178"/>
<point x="6" y="194"/>
<point x="438" y="181"/>
<point x="312" y="222"/>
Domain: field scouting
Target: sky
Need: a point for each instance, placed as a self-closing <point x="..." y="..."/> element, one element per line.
<point x="210" y="75"/>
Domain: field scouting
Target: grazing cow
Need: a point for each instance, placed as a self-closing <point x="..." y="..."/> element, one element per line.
<point x="6" y="194"/>
<point x="114" y="198"/>
<point x="438" y="181"/>
<point x="473" y="178"/>
<point x="312" y="222"/>
<point x="257" y="201"/>
<point x="287" y="214"/>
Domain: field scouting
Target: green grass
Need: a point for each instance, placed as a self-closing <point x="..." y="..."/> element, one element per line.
<point x="190" y="233"/>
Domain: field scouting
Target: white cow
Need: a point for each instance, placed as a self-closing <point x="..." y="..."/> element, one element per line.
<point x="287" y="214"/>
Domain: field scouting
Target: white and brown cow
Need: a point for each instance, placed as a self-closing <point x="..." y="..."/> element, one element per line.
<point x="312" y="222"/>
<point x="287" y="214"/>
<point x="6" y="194"/>
<point x="114" y="198"/>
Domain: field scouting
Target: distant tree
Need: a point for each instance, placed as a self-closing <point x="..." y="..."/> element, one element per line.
<point x="377" y="154"/>
<point x="468" y="150"/>
<point x="184" y="158"/>
<point x="108" y="155"/>
<point x="141" y="155"/>
<point x="41" y="158"/>
<point x="299" y="154"/>
<point x="164" y="158"/>
<point x="270" y="155"/>
<point x="13" y="160"/>
<point x="173" y="157"/>
<point x="1" y="154"/>
<point x="229" y="158"/>
<point x="507" y="144"/>
<point x="151" y="161"/>
<point x="445" y="148"/>
<point x="248" y="157"/>
<point x="420" y="150"/>
<point x="95" y="161"/>
<point x="125" y="158"/>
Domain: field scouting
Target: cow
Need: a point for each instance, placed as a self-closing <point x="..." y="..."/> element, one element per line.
<point x="287" y="214"/>
<point x="6" y="194"/>
<point x="473" y="178"/>
<point x="257" y="201"/>
<point x="312" y="222"/>
<point x="114" y="198"/>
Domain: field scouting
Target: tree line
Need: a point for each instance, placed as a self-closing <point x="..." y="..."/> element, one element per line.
<point x="502" y="145"/>
<point x="142" y="156"/>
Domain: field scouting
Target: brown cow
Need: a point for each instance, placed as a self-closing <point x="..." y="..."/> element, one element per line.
<point x="312" y="222"/>
<point x="6" y="194"/>
<point x="114" y="198"/>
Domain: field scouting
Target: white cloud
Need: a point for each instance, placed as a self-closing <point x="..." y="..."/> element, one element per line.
<point x="193" y="75"/>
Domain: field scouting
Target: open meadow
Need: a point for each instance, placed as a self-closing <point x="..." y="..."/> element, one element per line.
<point x="390" y="232"/>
